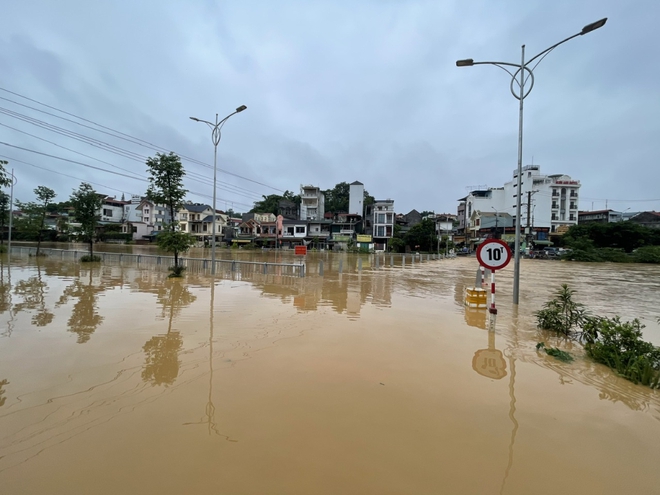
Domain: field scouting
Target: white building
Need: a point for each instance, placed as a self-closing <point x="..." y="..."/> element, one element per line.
<point x="312" y="203"/>
<point x="548" y="201"/>
<point x="111" y="210"/>
<point x="356" y="198"/>
<point x="380" y="220"/>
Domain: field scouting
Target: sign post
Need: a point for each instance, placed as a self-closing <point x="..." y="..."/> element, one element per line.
<point x="493" y="254"/>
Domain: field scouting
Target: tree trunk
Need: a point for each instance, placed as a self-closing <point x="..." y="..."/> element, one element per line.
<point x="176" y="258"/>
<point x="91" y="247"/>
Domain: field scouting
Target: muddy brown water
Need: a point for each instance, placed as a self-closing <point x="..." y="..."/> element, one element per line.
<point x="115" y="379"/>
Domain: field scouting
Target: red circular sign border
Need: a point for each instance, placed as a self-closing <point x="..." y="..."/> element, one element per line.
<point x="507" y="250"/>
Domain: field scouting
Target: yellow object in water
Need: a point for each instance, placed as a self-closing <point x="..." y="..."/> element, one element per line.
<point x="476" y="297"/>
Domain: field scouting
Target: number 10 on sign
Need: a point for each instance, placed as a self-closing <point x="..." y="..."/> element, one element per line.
<point x="493" y="254"/>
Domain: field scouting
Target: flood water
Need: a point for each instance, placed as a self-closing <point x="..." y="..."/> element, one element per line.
<point x="115" y="379"/>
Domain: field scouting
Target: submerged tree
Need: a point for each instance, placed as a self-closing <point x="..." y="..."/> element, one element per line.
<point x="166" y="175"/>
<point x="33" y="220"/>
<point x="86" y="203"/>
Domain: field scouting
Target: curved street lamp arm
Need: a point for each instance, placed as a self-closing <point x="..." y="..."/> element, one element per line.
<point x="544" y="52"/>
<point x="517" y="66"/>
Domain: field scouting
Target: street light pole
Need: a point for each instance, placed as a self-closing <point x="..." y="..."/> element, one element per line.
<point x="524" y="72"/>
<point x="216" y="134"/>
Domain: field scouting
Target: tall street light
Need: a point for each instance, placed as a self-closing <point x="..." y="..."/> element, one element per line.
<point x="216" y="134"/>
<point x="519" y="77"/>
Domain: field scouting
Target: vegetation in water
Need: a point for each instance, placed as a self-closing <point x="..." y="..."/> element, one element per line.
<point x="176" y="271"/>
<point x="89" y="258"/>
<point x="554" y="352"/>
<point x="619" y="242"/>
<point x="608" y="341"/>
<point x="620" y="346"/>
<point x="562" y="314"/>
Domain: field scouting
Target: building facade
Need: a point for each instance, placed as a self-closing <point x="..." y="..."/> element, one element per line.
<point x="356" y="198"/>
<point x="312" y="203"/>
<point x="548" y="202"/>
<point x="381" y="216"/>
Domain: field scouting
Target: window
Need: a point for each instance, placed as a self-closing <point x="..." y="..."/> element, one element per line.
<point x="389" y="218"/>
<point x="204" y="228"/>
<point x="555" y="205"/>
<point x="184" y="216"/>
<point x="380" y="231"/>
<point x="555" y="192"/>
<point x="289" y="231"/>
<point x="571" y="217"/>
<point x="107" y="213"/>
<point x="134" y="229"/>
<point x="300" y="229"/>
<point x="573" y="207"/>
<point x="381" y="218"/>
<point x="554" y="217"/>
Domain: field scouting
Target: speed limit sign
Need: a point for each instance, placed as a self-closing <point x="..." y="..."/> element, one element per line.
<point x="494" y="254"/>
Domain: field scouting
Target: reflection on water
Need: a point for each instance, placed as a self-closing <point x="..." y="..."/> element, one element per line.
<point x="3" y="399"/>
<point x="161" y="366"/>
<point x="85" y="317"/>
<point x="33" y="294"/>
<point x="342" y="383"/>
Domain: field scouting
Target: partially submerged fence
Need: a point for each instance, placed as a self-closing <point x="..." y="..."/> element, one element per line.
<point x="197" y="265"/>
<point x="317" y="265"/>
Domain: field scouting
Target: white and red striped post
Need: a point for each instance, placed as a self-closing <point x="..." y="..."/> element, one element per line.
<point x="483" y="277"/>
<point x="492" y="309"/>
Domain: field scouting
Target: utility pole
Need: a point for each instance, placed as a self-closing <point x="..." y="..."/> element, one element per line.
<point x="528" y="237"/>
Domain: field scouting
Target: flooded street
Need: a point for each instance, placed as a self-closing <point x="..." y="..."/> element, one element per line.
<point x="115" y="379"/>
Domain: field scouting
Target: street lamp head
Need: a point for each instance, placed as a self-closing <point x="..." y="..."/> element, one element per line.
<point x="241" y="108"/>
<point x="196" y="120"/>
<point x="593" y="26"/>
<point x="468" y="62"/>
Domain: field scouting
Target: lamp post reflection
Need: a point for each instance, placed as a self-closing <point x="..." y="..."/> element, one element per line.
<point x="490" y="363"/>
<point x="209" y="412"/>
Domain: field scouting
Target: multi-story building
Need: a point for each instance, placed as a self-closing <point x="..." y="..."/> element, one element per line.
<point x="197" y="219"/>
<point x="600" y="216"/>
<point x="381" y="216"/>
<point x="312" y="203"/>
<point x="549" y="202"/>
<point x="111" y="210"/>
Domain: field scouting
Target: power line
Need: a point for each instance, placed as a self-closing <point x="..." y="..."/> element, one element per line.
<point x="96" y="143"/>
<point x="119" y="135"/>
<point x="191" y="175"/>
<point x="193" y="193"/>
<point x="72" y="161"/>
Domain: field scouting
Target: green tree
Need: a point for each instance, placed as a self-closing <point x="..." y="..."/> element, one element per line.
<point x="337" y="198"/>
<point x="269" y="204"/>
<point x="27" y="225"/>
<point x="44" y="196"/>
<point x="166" y="175"/>
<point x="4" y="214"/>
<point x="5" y="180"/>
<point x="86" y="203"/>
<point x="422" y="236"/>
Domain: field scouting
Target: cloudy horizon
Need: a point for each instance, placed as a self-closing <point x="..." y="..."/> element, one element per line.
<point x="335" y="92"/>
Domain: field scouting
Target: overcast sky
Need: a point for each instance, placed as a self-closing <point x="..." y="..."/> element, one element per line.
<point x="336" y="91"/>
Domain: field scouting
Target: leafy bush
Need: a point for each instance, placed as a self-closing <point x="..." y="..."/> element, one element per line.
<point x="595" y="255"/>
<point x="554" y="352"/>
<point x="89" y="259"/>
<point x="176" y="271"/>
<point x="2" y="249"/>
<point x="561" y="314"/>
<point x="619" y="345"/>
<point x="648" y="254"/>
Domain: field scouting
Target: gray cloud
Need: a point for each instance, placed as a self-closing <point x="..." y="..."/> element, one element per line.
<point x="339" y="91"/>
